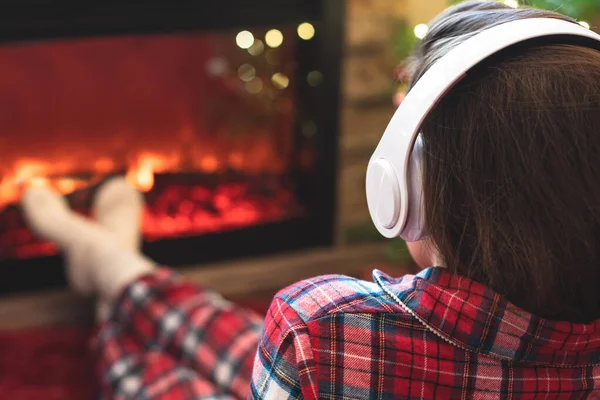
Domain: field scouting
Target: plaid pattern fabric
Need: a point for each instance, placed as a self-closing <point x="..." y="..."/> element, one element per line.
<point x="429" y="336"/>
<point x="170" y="339"/>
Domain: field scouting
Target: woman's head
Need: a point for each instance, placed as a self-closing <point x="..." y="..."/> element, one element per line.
<point x="512" y="166"/>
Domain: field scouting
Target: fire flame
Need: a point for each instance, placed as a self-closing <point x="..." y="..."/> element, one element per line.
<point x="66" y="177"/>
<point x="141" y="174"/>
<point x="176" y="207"/>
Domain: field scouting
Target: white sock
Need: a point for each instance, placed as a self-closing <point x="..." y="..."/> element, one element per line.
<point x="97" y="261"/>
<point x="118" y="207"/>
<point x="49" y="216"/>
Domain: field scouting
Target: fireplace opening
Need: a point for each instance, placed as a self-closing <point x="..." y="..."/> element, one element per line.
<point x="203" y="127"/>
<point x="229" y="132"/>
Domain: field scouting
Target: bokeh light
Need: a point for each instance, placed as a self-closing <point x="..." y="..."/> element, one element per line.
<point x="421" y="30"/>
<point x="314" y="78"/>
<point x="244" y="39"/>
<point x="274" y="38"/>
<point x="306" y="31"/>
<point x="257" y="48"/>
<point x="246" y="72"/>
<point x="254" y="86"/>
<point x="280" y="81"/>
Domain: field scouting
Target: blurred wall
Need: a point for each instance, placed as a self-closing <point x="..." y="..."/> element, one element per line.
<point x="367" y="89"/>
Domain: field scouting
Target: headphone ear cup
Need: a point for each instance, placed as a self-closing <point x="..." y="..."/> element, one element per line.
<point x="415" y="228"/>
<point x="384" y="196"/>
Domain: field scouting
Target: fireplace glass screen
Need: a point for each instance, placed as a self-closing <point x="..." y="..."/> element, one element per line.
<point x="203" y="124"/>
<point x="229" y="130"/>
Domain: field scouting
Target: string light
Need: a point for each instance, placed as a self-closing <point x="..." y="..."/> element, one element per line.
<point x="306" y="31"/>
<point x="254" y="86"/>
<point x="257" y="48"/>
<point x="274" y="38"/>
<point x="246" y="72"/>
<point x="244" y="40"/>
<point x="584" y="24"/>
<point x="512" y="3"/>
<point x="280" y="81"/>
<point x="314" y="78"/>
<point x="421" y="30"/>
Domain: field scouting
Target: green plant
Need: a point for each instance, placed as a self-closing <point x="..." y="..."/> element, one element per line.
<point x="404" y="40"/>
<point x="397" y="252"/>
<point x="582" y="10"/>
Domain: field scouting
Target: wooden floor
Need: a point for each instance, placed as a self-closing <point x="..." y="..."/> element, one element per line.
<point x="233" y="279"/>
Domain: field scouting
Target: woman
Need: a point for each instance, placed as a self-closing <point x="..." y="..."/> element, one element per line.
<point x="512" y="202"/>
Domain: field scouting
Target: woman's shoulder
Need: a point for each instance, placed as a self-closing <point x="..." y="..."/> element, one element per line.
<point x="326" y="295"/>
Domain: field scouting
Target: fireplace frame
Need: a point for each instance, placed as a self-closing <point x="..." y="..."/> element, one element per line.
<point x="27" y="20"/>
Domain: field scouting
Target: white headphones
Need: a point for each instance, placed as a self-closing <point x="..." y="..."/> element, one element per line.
<point x="394" y="175"/>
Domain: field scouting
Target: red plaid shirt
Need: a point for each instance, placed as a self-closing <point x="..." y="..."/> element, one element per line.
<point x="429" y="336"/>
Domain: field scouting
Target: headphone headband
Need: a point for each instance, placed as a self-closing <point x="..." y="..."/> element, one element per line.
<point x="395" y="204"/>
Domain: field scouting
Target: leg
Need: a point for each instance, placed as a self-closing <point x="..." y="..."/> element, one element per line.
<point x="118" y="208"/>
<point x="127" y="370"/>
<point x="191" y="325"/>
<point x="196" y="326"/>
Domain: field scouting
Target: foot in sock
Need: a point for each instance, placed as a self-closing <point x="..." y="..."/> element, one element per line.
<point x="100" y="259"/>
<point x="118" y="207"/>
<point x="48" y="215"/>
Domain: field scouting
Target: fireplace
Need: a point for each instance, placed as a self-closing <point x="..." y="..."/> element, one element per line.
<point x="226" y="118"/>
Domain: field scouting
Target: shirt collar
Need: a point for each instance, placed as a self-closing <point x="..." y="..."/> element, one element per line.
<point x="472" y="316"/>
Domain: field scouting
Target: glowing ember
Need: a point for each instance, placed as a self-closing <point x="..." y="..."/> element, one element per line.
<point x="181" y="210"/>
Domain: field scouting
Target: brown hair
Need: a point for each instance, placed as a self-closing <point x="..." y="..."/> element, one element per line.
<point x="512" y="169"/>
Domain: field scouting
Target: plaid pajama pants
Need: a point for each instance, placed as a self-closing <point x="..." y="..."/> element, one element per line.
<point x="170" y="339"/>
